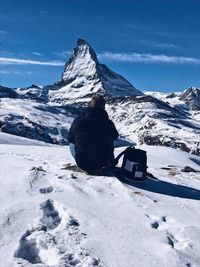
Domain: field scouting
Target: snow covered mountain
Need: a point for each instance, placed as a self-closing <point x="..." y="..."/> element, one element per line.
<point x="53" y="216"/>
<point x="83" y="76"/>
<point x="165" y="121"/>
<point x="46" y="112"/>
<point x="191" y="97"/>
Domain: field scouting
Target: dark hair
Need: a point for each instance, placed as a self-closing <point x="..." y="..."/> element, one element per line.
<point x="97" y="101"/>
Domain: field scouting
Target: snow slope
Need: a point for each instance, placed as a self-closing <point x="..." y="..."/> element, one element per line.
<point x="51" y="216"/>
<point x="35" y="120"/>
<point x="11" y="139"/>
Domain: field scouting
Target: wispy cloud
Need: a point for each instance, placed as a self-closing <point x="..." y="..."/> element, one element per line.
<point x="147" y="58"/>
<point x="4" y="72"/>
<point x="12" y="72"/>
<point x="37" y="54"/>
<point x="17" y="61"/>
<point x="63" y="54"/>
<point x="164" y="45"/>
<point x="5" y="53"/>
<point x="157" y="44"/>
<point x="109" y="56"/>
<point x="2" y="32"/>
<point x="8" y="72"/>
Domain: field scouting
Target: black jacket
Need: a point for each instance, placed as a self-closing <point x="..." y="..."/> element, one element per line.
<point x="93" y="135"/>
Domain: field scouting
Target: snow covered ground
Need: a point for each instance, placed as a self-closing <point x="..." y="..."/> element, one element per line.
<point x="11" y="139"/>
<point x="51" y="216"/>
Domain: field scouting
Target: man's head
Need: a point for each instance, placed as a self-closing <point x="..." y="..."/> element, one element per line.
<point x="97" y="101"/>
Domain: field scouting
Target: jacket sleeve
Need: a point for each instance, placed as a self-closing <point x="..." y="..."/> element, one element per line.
<point x="113" y="130"/>
<point x="72" y="132"/>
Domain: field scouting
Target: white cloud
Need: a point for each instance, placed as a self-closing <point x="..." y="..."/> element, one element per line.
<point x="117" y="57"/>
<point x="17" y="61"/>
<point x="165" y="45"/>
<point x="37" y="54"/>
<point x="157" y="44"/>
<point x="147" y="58"/>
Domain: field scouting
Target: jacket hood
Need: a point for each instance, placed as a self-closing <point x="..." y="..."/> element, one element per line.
<point x="95" y="114"/>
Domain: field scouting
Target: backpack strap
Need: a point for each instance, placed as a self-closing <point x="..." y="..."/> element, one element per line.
<point x="116" y="160"/>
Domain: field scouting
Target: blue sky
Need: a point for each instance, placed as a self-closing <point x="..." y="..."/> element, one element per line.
<point x="155" y="44"/>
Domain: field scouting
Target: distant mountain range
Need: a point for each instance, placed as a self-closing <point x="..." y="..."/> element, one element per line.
<point x="45" y="113"/>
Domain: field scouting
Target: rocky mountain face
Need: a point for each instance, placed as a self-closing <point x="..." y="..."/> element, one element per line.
<point x="191" y="97"/>
<point x="34" y="92"/>
<point x="83" y="76"/>
<point x="46" y="113"/>
<point x="148" y="120"/>
<point x="6" y="92"/>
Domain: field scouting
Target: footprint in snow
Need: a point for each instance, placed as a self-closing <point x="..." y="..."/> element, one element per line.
<point x="158" y="222"/>
<point x="36" y="174"/>
<point x="143" y="200"/>
<point x="155" y="225"/>
<point x="28" y="249"/>
<point x="55" y="241"/>
<point x="67" y="176"/>
<point x="174" y="239"/>
<point x="177" y="242"/>
<point x="46" y="190"/>
<point x="50" y="218"/>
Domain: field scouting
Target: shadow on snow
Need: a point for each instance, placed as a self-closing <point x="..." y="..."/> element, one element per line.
<point x="162" y="187"/>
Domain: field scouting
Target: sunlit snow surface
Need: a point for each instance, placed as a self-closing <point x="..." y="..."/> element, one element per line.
<point x="51" y="216"/>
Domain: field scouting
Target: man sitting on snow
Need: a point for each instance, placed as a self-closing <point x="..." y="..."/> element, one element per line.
<point x="92" y="136"/>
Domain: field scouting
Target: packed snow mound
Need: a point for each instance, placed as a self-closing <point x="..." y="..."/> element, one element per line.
<point x="84" y="75"/>
<point x="55" y="216"/>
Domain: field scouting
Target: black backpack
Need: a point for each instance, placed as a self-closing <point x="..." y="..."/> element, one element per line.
<point x="134" y="165"/>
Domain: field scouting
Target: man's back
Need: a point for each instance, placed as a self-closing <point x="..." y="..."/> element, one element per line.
<point x="93" y="135"/>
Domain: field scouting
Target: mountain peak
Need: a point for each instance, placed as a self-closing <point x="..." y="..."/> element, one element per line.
<point x="192" y="97"/>
<point x="83" y="76"/>
<point x="83" y="48"/>
<point x="81" y="41"/>
<point x="82" y="63"/>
